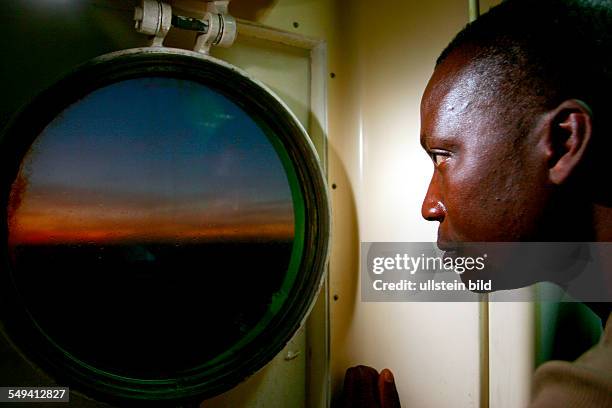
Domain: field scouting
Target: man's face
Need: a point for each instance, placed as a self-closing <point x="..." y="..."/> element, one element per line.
<point x="485" y="186"/>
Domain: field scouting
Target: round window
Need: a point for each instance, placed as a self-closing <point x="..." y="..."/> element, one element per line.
<point x="166" y="226"/>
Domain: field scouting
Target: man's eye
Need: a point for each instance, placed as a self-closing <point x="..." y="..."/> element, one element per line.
<point x="439" y="158"/>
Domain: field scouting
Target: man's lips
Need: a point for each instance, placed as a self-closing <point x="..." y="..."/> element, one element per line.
<point x="446" y="246"/>
<point x="445" y="242"/>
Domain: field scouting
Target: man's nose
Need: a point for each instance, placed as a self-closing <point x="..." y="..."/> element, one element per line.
<point x="433" y="208"/>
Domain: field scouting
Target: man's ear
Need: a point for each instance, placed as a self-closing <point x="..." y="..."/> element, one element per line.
<point x="567" y="137"/>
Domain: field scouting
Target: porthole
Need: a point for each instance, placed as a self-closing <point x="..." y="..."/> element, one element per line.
<point x="166" y="227"/>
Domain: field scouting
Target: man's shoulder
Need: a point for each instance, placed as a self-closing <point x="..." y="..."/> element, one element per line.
<point x="586" y="382"/>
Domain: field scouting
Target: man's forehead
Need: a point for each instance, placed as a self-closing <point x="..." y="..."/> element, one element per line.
<point x="455" y="84"/>
<point x="460" y="91"/>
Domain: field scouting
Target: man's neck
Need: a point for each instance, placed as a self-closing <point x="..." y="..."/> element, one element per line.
<point x="602" y="223"/>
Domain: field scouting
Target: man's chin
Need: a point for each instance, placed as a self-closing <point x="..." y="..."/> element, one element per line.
<point x="499" y="281"/>
<point x="469" y="278"/>
<point x="508" y="266"/>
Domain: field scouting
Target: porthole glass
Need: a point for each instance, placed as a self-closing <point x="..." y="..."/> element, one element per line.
<point x="166" y="226"/>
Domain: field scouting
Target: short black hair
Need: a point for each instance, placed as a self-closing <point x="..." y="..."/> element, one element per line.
<point x="548" y="51"/>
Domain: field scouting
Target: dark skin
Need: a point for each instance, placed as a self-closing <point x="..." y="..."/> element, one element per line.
<point x="487" y="188"/>
<point x="484" y="187"/>
<point x="364" y="387"/>
<point x="495" y="181"/>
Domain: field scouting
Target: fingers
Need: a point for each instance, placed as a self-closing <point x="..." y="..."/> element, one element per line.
<point x="365" y="388"/>
<point x="388" y="396"/>
<point x="361" y="388"/>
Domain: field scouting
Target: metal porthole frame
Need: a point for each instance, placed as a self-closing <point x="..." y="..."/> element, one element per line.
<point x="269" y="112"/>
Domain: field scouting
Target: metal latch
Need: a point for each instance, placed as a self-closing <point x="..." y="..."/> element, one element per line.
<point x="217" y="27"/>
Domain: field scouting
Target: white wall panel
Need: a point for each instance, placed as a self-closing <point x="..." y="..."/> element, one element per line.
<point x="382" y="175"/>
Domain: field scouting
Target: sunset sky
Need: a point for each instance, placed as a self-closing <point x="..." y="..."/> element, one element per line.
<point x="152" y="159"/>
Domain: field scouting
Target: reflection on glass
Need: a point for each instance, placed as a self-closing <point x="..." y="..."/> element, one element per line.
<point x="150" y="226"/>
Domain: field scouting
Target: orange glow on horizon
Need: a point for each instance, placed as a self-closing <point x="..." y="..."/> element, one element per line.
<point x="40" y="222"/>
<point x="20" y="235"/>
